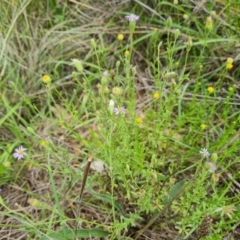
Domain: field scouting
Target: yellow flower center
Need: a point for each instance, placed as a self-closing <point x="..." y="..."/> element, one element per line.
<point x="156" y="95"/>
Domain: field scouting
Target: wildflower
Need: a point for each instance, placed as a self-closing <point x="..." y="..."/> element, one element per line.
<point x="229" y="64"/>
<point x="204" y="152"/>
<point x="19" y="153"/>
<point x="200" y="66"/>
<point x="210" y="89"/>
<point x="156" y="95"/>
<point x="228" y="210"/>
<point x="139" y="120"/>
<point x="203" y="126"/>
<point x="209" y="23"/>
<point x="211" y="167"/>
<point x="231" y="89"/>
<point x="132" y="18"/>
<point x="43" y="143"/>
<point x="175" y="2"/>
<point x="230" y="60"/>
<point x="117" y="91"/>
<point x="46" y="79"/>
<point x="126" y="53"/>
<point x="105" y="74"/>
<point x="120" y="37"/>
<point x="119" y="110"/>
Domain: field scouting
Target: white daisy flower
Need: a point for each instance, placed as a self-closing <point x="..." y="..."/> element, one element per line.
<point x="212" y="167"/>
<point x="105" y="74"/>
<point x="19" y="153"/>
<point x="204" y="152"/>
<point x="132" y="18"/>
<point x="120" y="110"/>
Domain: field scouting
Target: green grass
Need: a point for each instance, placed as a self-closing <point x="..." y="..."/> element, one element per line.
<point x="91" y="173"/>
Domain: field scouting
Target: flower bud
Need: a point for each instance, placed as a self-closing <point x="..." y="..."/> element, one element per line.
<point x="93" y="43"/>
<point x="214" y="157"/>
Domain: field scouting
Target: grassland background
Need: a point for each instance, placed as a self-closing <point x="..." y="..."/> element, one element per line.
<point x="151" y="154"/>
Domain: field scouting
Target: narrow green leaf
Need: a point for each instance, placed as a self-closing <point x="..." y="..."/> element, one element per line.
<point x="108" y="199"/>
<point x="67" y="234"/>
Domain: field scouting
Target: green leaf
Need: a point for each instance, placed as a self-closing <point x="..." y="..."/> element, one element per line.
<point x="175" y="190"/>
<point x="67" y="234"/>
<point x="108" y="199"/>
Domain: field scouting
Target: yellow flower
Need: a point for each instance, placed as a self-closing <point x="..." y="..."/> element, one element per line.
<point x="203" y="126"/>
<point x="229" y="60"/>
<point x="139" y="120"/>
<point x="229" y="66"/>
<point x="127" y="53"/>
<point x="175" y="2"/>
<point x="231" y="89"/>
<point x="117" y="91"/>
<point x="156" y="95"/>
<point x="200" y="66"/>
<point x="43" y="143"/>
<point x="210" y="89"/>
<point x="120" y="37"/>
<point x="209" y="22"/>
<point x="46" y="79"/>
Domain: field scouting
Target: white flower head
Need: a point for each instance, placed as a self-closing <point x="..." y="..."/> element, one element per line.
<point x="105" y="74"/>
<point x="204" y="152"/>
<point x="120" y="110"/>
<point x="212" y="167"/>
<point x="19" y="153"/>
<point x="132" y="18"/>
